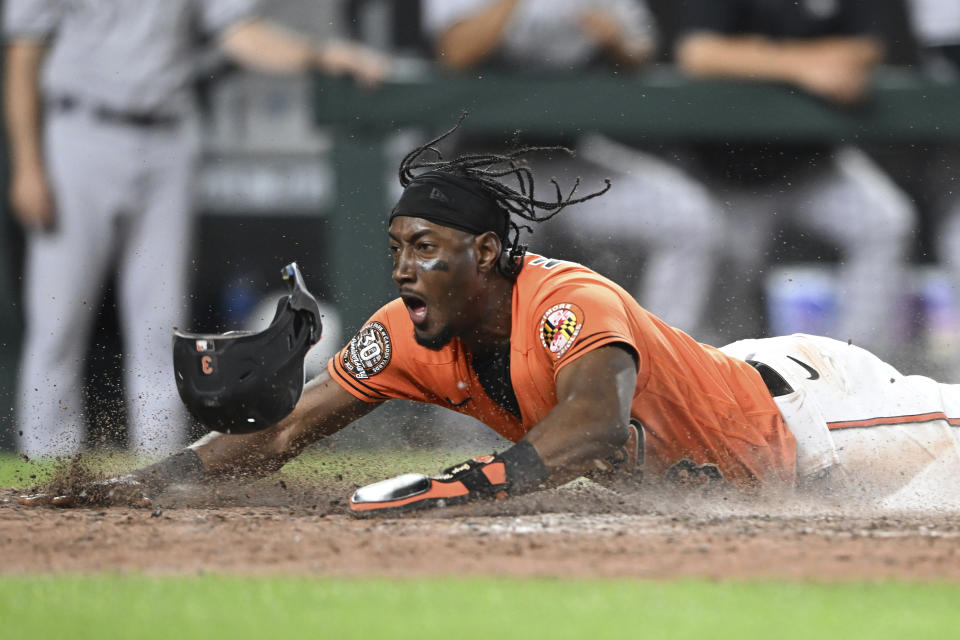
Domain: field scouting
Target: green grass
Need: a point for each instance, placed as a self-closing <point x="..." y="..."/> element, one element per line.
<point x="18" y="474"/>
<point x="133" y="606"/>
<point x="315" y="464"/>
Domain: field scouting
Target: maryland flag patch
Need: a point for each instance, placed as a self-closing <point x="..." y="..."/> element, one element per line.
<point x="559" y="328"/>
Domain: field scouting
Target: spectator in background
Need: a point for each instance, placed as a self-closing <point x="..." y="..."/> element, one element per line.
<point x="936" y="28"/>
<point x="654" y="210"/>
<point x="826" y="48"/>
<point x="101" y="125"/>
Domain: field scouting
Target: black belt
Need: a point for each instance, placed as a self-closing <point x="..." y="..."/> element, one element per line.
<point x="774" y="381"/>
<point x="139" y="119"/>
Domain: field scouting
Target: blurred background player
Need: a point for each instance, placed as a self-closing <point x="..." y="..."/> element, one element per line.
<point x="657" y="231"/>
<point x="102" y="130"/>
<point x="834" y="192"/>
<point x="936" y="29"/>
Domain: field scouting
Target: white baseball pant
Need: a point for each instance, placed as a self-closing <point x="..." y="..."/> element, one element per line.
<point x="895" y="439"/>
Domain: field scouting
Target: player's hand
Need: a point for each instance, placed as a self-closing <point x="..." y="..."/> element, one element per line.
<point x="31" y="198"/>
<point x="625" y="463"/>
<point x="607" y="33"/>
<point x="836" y="69"/>
<point x="367" y="66"/>
<point x="844" y="84"/>
<point x="483" y="477"/>
<point x="601" y="27"/>
<point x="124" y="491"/>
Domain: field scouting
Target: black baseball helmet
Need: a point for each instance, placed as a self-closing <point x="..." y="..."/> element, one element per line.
<point x="245" y="381"/>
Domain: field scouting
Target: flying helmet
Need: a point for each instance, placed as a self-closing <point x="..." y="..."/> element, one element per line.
<point x="246" y="381"/>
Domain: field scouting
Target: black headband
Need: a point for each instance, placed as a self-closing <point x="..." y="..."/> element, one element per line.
<point x="453" y="201"/>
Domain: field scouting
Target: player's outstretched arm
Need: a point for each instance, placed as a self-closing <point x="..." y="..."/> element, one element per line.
<point x="31" y="197"/>
<point x="590" y="423"/>
<point x="586" y="431"/>
<point x="266" y="46"/>
<point x="323" y="409"/>
<point x="836" y="68"/>
<point x="475" y="37"/>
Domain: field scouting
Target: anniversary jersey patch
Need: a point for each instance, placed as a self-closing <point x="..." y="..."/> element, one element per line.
<point x="369" y="352"/>
<point x="559" y="328"/>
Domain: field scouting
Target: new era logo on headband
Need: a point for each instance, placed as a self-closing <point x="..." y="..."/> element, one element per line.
<point x="436" y="194"/>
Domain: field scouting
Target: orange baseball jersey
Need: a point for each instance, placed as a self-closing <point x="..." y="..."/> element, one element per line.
<point x="699" y="407"/>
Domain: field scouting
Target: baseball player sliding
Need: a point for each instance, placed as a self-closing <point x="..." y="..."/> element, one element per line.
<point x="557" y="359"/>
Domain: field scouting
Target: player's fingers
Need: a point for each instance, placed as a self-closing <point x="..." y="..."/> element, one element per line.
<point x="144" y="502"/>
<point x="63" y="501"/>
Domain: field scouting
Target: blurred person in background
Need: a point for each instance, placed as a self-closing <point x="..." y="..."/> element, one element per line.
<point x="655" y="214"/>
<point x="102" y="131"/>
<point x="835" y="192"/>
<point x="936" y="29"/>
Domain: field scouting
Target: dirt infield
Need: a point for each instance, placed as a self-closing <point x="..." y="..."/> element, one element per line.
<point x="583" y="531"/>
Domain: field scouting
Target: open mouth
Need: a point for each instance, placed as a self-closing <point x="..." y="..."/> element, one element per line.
<point x="416" y="307"/>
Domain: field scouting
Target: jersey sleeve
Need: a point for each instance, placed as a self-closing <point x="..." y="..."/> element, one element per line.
<point x="575" y="319"/>
<point x="375" y="366"/>
<point x="30" y="19"/>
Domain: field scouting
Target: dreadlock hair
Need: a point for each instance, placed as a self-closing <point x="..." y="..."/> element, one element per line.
<point x="486" y="169"/>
